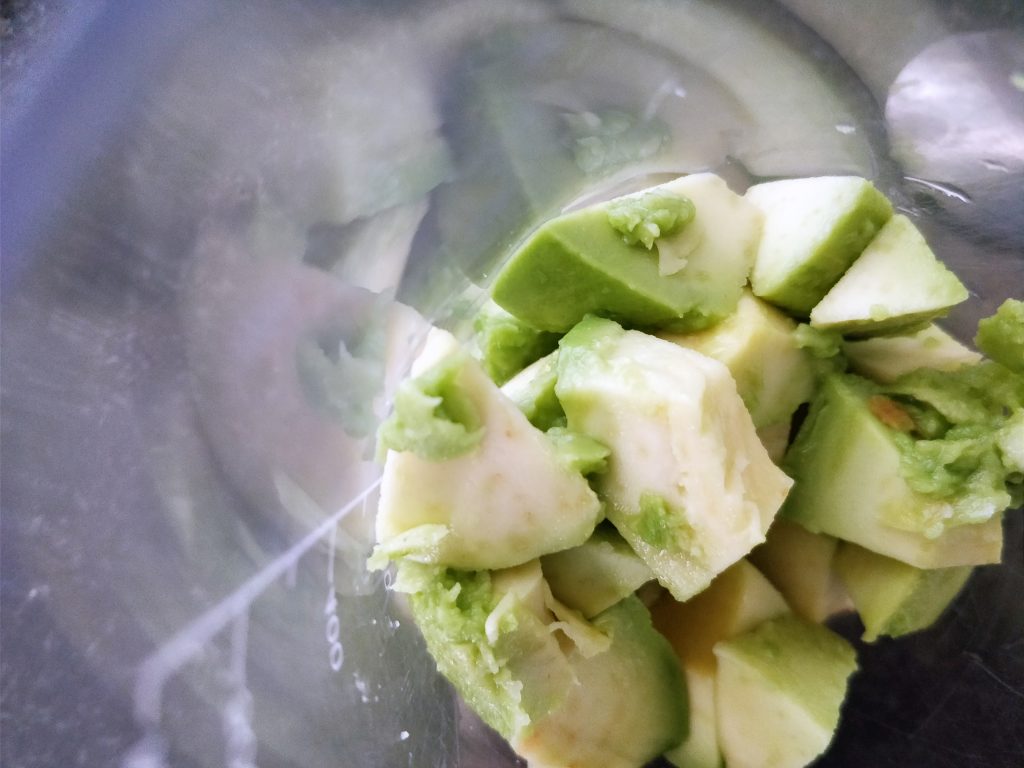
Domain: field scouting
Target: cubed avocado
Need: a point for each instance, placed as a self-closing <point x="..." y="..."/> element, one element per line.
<point x="896" y="283"/>
<point x="814" y="229"/>
<point x="737" y="600"/>
<point x="533" y="392"/>
<point x="561" y="690"/>
<point x="773" y="374"/>
<point x="468" y="481"/>
<point x="894" y="598"/>
<point x="779" y="691"/>
<point x="800" y="565"/>
<point x="486" y="637"/>
<point x="886" y="358"/>
<point x="505" y="345"/>
<point x="689" y="485"/>
<point x="597" y="574"/>
<point x="625" y="706"/>
<point x="850" y="484"/>
<point x="580" y="263"/>
<point x="1001" y="336"/>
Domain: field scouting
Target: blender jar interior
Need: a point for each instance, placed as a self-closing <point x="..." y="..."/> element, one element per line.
<point x="226" y="229"/>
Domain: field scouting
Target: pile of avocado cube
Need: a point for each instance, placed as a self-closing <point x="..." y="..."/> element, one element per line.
<point x="690" y="427"/>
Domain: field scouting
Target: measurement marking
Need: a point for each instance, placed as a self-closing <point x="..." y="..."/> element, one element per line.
<point x="187" y="642"/>
<point x="335" y="653"/>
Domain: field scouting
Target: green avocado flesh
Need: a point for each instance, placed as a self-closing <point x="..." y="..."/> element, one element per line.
<point x="849" y="483"/>
<point x="896" y="283"/>
<point x="814" y="229"/>
<point x="506" y="344"/>
<point x="597" y="574"/>
<point x="579" y="264"/>
<point x="1001" y="336"/>
<point x="604" y="692"/>
<point x="779" y="691"/>
<point x="626" y="706"/>
<point x="533" y="392"/>
<point x="894" y="598"/>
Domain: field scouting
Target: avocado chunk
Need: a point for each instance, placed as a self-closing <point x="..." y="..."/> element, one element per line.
<point x="492" y="495"/>
<point x="779" y="691"/>
<point x="506" y="345"/>
<point x="1001" y="336"/>
<point x="626" y="705"/>
<point x="689" y="485"/>
<point x="894" y="598"/>
<point x="773" y="374"/>
<point x="800" y="565"/>
<point x="850" y="483"/>
<point x="967" y="441"/>
<point x="597" y="574"/>
<point x="886" y="358"/>
<point x="737" y="600"/>
<point x="492" y="635"/>
<point x="533" y="392"/>
<point x="562" y="690"/>
<point x="896" y="283"/>
<point x="814" y="229"/>
<point x="580" y="263"/>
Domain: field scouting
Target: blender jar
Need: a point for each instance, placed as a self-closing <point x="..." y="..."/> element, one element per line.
<point x="226" y="229"/>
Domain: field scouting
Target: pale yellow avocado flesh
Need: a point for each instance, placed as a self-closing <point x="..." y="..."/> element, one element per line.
<point x="814" y="228"/>
<point x="506" y="502"/>
<point x="885" y="358"/>
<point x="756" y="343"/>
<point x="800" y="565"/>
<point x="895" y="283"/>
<point x="737" y="600"/>
<point x="689" y="484"/>
<point x="894" y="598"/>
<point x="779" y="691"/>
